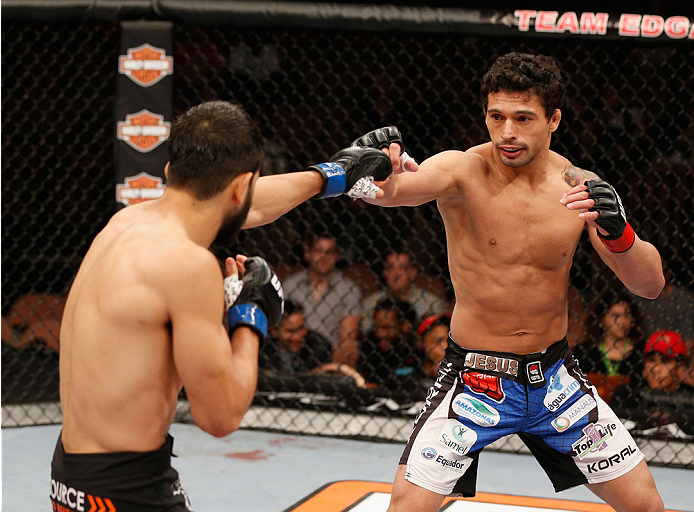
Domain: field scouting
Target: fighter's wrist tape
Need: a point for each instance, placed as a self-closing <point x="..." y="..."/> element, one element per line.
<point x="406" y="158"/>
<point x="621" y="244"/>
<point x="334" y="179"/>
<point x="250" y="316"/>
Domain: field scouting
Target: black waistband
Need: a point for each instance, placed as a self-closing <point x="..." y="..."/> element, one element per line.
<point x="523" y="368"/>
<point x="112" y="464"/>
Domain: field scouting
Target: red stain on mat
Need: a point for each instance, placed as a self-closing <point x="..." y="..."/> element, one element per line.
<point x="254" y="455"/>
<point x="281" y="440"/>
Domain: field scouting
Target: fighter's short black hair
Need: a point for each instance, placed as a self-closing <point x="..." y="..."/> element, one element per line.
<point x="524" y="72"/>
<point x="210" y="145"/>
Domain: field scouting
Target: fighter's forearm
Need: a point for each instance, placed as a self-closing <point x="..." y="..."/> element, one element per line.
<point x="276" y="195"/>
<point x="640" y="269"/>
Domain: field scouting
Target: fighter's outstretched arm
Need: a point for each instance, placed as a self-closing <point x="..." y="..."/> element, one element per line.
<point x="438" y="177"/>
<point x="276" y="195"/>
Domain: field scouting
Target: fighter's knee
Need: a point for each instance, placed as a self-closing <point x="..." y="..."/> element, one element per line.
<point x="651" y="502"/>
<point x="641" y="498"/>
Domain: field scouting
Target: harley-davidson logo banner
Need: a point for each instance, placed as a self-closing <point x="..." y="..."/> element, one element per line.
<point x="143" y="109"/>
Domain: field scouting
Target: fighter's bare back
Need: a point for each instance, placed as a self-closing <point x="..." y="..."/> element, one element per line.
<point x="119" y="384"/>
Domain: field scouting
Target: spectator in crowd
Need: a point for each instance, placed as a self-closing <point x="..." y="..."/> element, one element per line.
<point x="389" y="354"/>
<point x="615" y="352"/>
<point x="400" y="273"/>
<point x="673" y="309"/>
<point x="433" y="333"/>
<point x="661" y="398"/>
<point x="31" y="344"/>
<point x="293" y="347"/>
<point x="34" y="321"/>
<point x="330" y="301"/>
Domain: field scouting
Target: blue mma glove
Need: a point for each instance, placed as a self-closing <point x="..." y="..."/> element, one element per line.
<point x="351" y="170"/>
<point x="261" y="302"/>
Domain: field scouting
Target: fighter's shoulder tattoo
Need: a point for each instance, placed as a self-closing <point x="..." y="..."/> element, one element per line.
<point x="575" y="176"/>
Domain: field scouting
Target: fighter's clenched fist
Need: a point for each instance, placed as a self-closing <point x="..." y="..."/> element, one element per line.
<point x="601" y="208"/>
<point x="353" y="171"/>
<point x="389" y="140"/>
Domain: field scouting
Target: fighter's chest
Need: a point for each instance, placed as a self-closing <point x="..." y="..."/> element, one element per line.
<point x="537" y="230"/>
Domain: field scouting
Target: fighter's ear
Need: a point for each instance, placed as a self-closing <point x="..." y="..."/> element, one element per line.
<point x="238" y="187"/>
<point x="555" y="120"/>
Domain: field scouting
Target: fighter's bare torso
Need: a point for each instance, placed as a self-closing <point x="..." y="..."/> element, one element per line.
<point x="119" y="384"/>
<point x="510" y="247"/>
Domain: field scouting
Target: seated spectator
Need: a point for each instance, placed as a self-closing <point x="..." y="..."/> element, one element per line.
<point x="34" y="321"/>
<point x="673" y="309"/>
<point x="400" y="273"/>
<point x="660" y="398"/>
<point x="615" y="352"/>
<point x="389" y="353"/>
<point x="330" y="301"/>
<point x="433" y="333"/>
<point x="30" y="352"/>
<point x="686" y="369"/>
<point x="291" y="346"/>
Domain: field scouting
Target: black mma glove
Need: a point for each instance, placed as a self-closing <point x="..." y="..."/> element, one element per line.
<point x="383" y="138"/>
<point x="348" y="166"/>
<point x="380" y="138"/>
<point x="261" y="302"/>
<point x="620" y="235"/>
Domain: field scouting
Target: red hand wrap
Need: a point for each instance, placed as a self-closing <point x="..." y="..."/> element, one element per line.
<point x="621" y="244"/>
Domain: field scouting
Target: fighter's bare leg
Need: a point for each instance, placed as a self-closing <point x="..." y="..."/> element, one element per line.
<point x="408" y="497"/>
<point x="633" y="492"/>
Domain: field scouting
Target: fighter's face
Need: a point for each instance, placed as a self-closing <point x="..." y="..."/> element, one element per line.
<point x="518" y="127"/>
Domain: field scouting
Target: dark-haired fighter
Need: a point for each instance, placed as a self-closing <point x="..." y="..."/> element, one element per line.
<point x="513" y="212"/>
<point x="144" y="315"/>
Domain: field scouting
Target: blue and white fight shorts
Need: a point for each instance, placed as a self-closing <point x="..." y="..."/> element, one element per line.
<point x="481" y="396"/>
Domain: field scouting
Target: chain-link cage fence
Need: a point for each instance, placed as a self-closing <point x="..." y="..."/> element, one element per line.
<point x="629" y="117"/>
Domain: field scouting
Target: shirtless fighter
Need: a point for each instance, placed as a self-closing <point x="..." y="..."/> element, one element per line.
<point x="144" y="315"/>
<point x="513" y="212"/>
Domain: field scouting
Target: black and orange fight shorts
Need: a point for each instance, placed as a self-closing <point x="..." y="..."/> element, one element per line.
<point x="116" y="482"/>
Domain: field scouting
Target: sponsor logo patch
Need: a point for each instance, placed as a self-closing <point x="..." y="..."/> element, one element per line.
<point x="457" y="437"/>
<point x="484" y="384"/>
<point x="453" y="465"/>
<point x="574" y="413"/>
<point x="560" y="388"/>
<point x="533" y="372"/>
<point x="594" y="439"/>
<point x="491" y="363"/>
<point x="66" y="498"/>
<point x="145" y="65"/>
<point x="617" y="458"/>
<point x="467" y="406"/>
<point x="428" y="453"/>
